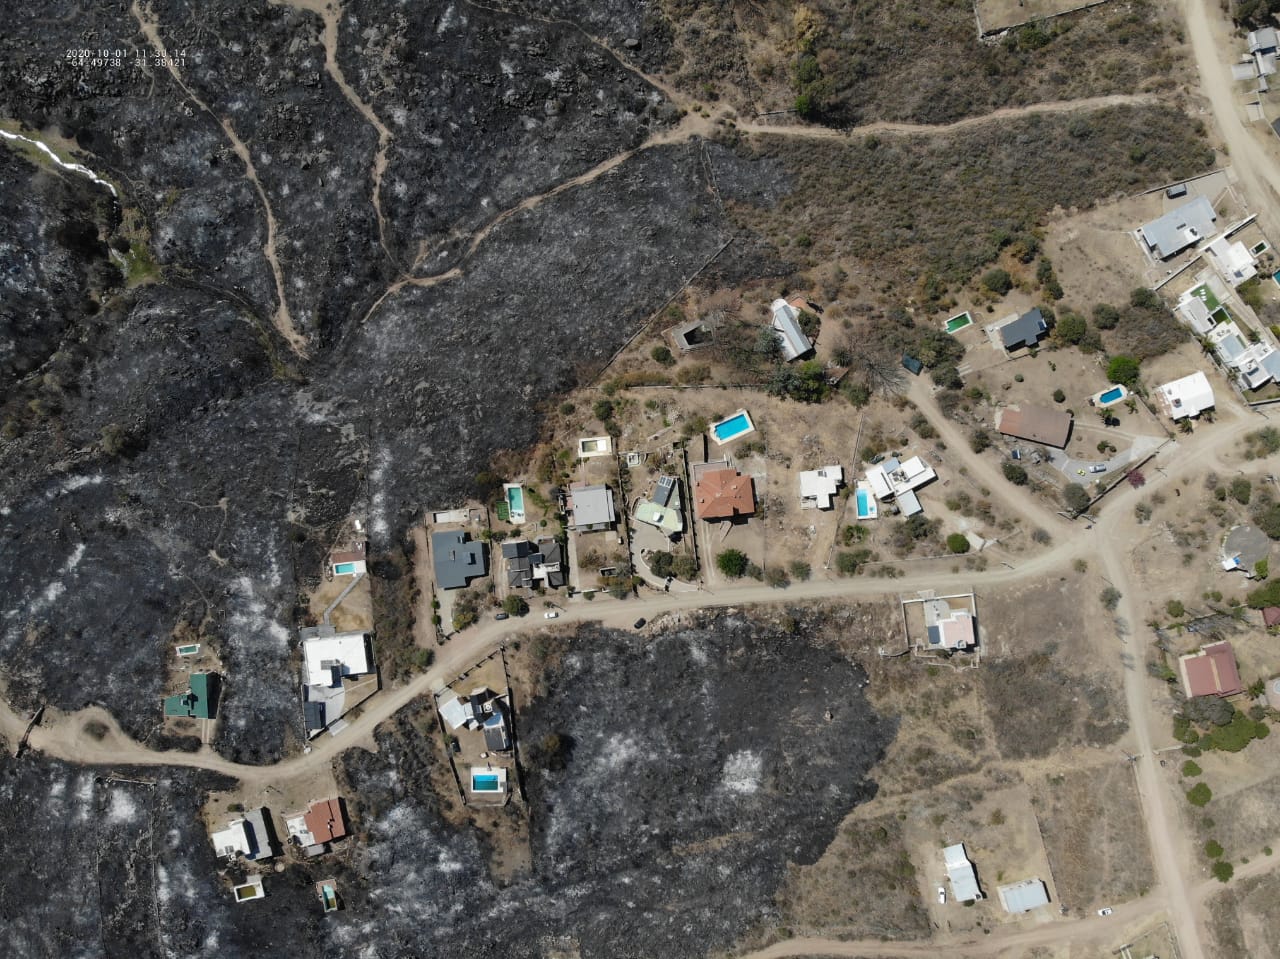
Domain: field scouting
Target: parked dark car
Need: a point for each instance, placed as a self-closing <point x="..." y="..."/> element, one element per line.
<point x="640" y="622"/>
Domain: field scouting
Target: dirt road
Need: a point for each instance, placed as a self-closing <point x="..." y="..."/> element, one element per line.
<point x="1254" y="155"/>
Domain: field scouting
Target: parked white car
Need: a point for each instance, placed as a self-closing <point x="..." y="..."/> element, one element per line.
<point x="550" y="614"/>
<point x="1104" y="911"/>
<point x="942" y="895"/>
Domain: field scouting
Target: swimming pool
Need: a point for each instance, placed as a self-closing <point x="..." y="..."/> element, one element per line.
<point x="344" y="569"/>
<point x="1108" y="397"/>
<point x="732" y="427"/>
<point x="865" y="502"/>
<point x="515" y="503"/>
<point x="959" y="322"/>
<point x="484" y="783"/>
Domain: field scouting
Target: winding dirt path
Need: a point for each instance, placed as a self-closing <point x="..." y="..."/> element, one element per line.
<point x="330" y="13"/>
<point x="282" y="319"/>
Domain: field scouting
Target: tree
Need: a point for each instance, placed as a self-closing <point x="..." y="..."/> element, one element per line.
<point x="1191" y="769"/>
<point x="1075" y="496"/>
<point x="997" y="281"/>
<point x="515" y="605"/>
<point x="732" y="563"/>
<point x="958" y="543"/>
<point x="662" y="356"/>
<point x="800" y="570"/>
<point x="806" y="382"/>
<point x="1105" y="317"/>
<point x="1014" y="473"/>
<point x="1213" y="849"/>
<point x="602" y="409"/>
<point x="1264" y="596"/>
<point x="1175" y="608"/>
<point x="1123" y="370"/>
<point x="1241" y="490"/>
<point x="661" y="563"/>
<point x="979" y="440"/>
<point x="1071" y="328"/>
<point x="769" y="344"/>
<point x="1136" y="479"/>
<point x="1110" y="598"/>
<point x="1223" y="871"/>
<point x="1199" y="795"/>
<point x="1059" y="396"/>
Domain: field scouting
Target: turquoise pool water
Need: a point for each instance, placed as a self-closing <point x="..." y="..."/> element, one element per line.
<point x="484" y="784"/>
<point x="864" y="503"/>
<point x="344" y="569"/>
<point x="734" y="426"/>
<point x="1111" y="395"/>
<point x="1276" y="276"/>
<point x="515" y="500"/>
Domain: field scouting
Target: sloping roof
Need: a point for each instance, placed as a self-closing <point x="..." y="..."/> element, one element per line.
<point x="1271" y="616"/>
<point x="1211" y="672"/>
<point x="1036" y="423"/>
<point x="1263" y="40"/>
<point x="592" y="506"/>
<point x="325" y="821"/>
<point x="1024" y="331"/>
<point x="1179" y="228"/>
<point x="723" y="494"/>
<point x="964" y="882"/>
<point x="1188" y="396"/>
<point x="200" y="700"/>
<point x="456" y="559"/>
<point x="1018" y="897"/>
<point x="495" y="731"/>
<point x="786" y="320"/>
<point x="663" y="491"/>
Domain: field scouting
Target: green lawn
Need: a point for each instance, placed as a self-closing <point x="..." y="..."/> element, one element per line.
<point x="1206" y="296"/>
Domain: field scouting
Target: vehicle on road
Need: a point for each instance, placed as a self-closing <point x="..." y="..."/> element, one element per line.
<point x="503" y="616"/>
<point x="1098" y="468"/>
<point x="640" y="622"/>
<point x="942" y="895"/>
<point x="550" y="614"/>
<point x="1104" y="911"/>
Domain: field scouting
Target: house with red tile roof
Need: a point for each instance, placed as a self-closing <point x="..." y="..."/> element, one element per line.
<point x="1211" y="671"/>
<point x="723" y="494"/>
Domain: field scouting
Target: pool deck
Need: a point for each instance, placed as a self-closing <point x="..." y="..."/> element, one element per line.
<point x="1096" y="399"/>
<point x="873" y="508"/>
<point x="751" y="428"/>
<point x="515" y="516"/>
<point x="965" y="316"/>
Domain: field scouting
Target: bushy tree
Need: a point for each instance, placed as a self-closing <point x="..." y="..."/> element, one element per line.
<point x="732" y="563"/>
<point x="1014" y="473"/>
<point x="1223" y="871"/>
<point x="1075" y="496"/>
<point x="1105" y="317"/>
<point x="998" y="281"/>
<point x="1199" y="795"/>
<point x="1123" y="370"/>
<point x="958" y="543"/>
<point x="661" y="564"/>
<point x="1071" y="328"/>
<point x="515" y="605"/>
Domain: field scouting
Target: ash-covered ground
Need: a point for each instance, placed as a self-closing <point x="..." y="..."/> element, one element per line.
<point x="697" y="764"/>
<point x="168" y="464"/>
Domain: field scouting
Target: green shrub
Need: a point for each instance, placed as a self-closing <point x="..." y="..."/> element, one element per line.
<point x="1212" y="849"/>
<point x="602" y="409"/>
<point x="1110" y="597"/>
<point x="1199" y="795"/>
<point x="958" y="543"/>
<point x="515" y="605"/>
<point x="1014" y="473"/>
<point x="732" y="563"/>
<point x="662" y="356"/>
<point x="1223" y="871"/>
<point x="1123" y="370"/>
<point x="1075" y="496"/>
<point x="1105" y="317"/>
<point x="998" y="281"/>
<point x="800" y="570"/>
<point x="1059" y="396"/>
<point x="1175" y="608"/>
<point x="1241" y="490"/>
<point x="1191" y="770"/>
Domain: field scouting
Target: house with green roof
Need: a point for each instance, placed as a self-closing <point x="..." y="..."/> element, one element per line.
<point x="199" y="701"/>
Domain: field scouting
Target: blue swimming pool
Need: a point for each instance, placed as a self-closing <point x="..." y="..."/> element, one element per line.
<point x="515" y="503"/>
<point x="1113" y="394"/>
<point x="344" y="569"/>
<point x="864" y="503"/>
<point x="734" y="426"/>
<point x="484" y="784"/>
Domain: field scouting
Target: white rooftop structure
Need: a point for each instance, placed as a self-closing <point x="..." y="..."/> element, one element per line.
<point x="457" y="713"/>
<point x="1189" y="396"/>
<point x="964" y="882"/>
<point x="1178" y="229"/>
<point x="1232" y="260"/>
<point x="786" y="320"/>
<point x="818" y="487"/>
<point x="328" y="658"/>
<point x="1020" y="897"/>
<point x="892" y="478"/>
<point x="590" y="446"/>
<point x="948" y="628"/>
<point x="1195" y="313"/>
<point x="1254" y="364"/>
<point x="234" y="839"/>
<point x="1228" y="342"/>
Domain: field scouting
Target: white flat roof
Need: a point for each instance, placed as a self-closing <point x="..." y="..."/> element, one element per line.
<point x="821" y="484"/>
<point x="964" y="882"/>
<point x="347" y="651"/>
<point x="233" y="839"/>
<point x="894" y="478"/>
<point x="1019" y="897"/>
<point x="1188" y="396"/>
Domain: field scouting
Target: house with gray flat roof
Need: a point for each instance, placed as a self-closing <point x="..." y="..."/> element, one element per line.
<point x="591" y="508"/>
<point x="456" y="558"/>
<point x="1178" y="229"/>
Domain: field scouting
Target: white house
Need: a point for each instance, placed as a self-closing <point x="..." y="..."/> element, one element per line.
<point x="1232" y="260"/>
<point x="964" y="881"/>
<point x="948" y="628"/>
<point x="329" y="658"/>
<point x="1189" y="396"/>
<point x="786" y="321"/>
<point x="896" y="480"/>
<point x="1020" y="897"/>
<point x="818" y="487"/>
<point x="1195" y="313"/>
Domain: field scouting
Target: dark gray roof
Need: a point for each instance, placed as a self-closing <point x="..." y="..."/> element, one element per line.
<point x="313" y="714"/>
<point x="456" y="559"/>
<point x="512" y="549"/>
<point x="662" y="494"/>
<point x="1024" y="331"/>
<point x="495" y="730"/>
